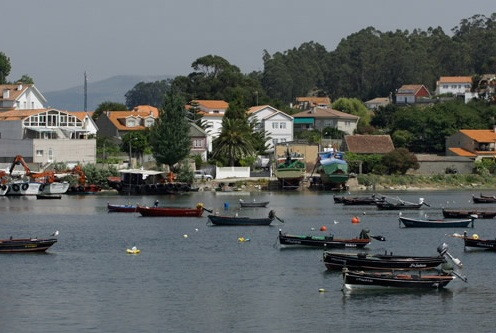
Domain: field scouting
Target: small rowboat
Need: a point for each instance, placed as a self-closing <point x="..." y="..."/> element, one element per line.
<point x="26" y="244"/>
<point x="333" y="260"/>
<point x="253" y="203"/>
<point x="436" y="223"/>
<point x="352" y="279"/>
<point x="460" y="214"/>
<point x="475" y="241"/>
<point x="243" y="220"/>
<point x="171" y="211"/>
<point x="327" y="241"/>
<point x="359" y="201"/>
<point x="121" y="208"/>
<point x="484" y="199"/>
<point x="48" y="196"/>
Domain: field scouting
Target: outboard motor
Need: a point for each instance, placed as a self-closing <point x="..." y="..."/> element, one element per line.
<point x="443" y="250"/>
<point x="365" y="234"/>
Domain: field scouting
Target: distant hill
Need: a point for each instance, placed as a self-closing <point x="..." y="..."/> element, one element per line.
<point x="112" y="89"/>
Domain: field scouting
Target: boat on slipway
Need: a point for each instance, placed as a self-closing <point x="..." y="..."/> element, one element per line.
<point x="333" y="169"/>
<point x="290" y="170"/>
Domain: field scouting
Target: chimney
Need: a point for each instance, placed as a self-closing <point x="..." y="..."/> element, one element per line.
<point x="6" y="93"/>
<point x="19" y="86"/>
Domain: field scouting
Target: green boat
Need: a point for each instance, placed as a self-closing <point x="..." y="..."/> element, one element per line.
<point x="333" y="169"/>
<point x="290" y="170"/>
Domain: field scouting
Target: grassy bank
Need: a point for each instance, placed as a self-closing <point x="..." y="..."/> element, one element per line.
<point x="428" y="182"/>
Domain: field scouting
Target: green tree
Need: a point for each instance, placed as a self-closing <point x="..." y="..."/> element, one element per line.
<point x="169" y="136"/>
<point x="4" y="68"/>
<point x="399" y="161"/>
<point x="235" y="142"/>
<point x="26" y="79"/>
<point x="355" y="107"/>
<point x="108" y="106"/>
<point x="147" y="93"/>
<point x="136" y="142"/>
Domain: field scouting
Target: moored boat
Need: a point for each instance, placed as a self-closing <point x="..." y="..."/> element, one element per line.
<point x="48" y="196"/>
<point x="327" y="241"/>
<point x="26" y="244"/>
<point x="362" y="201"/>
<point x="54" y="188"/>
<point x="400" y="205"/>
<point x="457" y="213"/>
<point x="333" y="260"/>
<point x="436" y="223"/>
<point x="253" y="203"/>
<point x="484" y="199"/>
<point x="121" y="208"/>
<point x="243" y="220"/>
<point x="171" y="211"/>
<point x="475" y="241"/>
<point x="23" y="188"/>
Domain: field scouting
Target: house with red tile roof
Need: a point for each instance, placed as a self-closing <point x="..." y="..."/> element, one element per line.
<point x="48" y="135"/>
<point x="20" y="96"/>
<point x="306" y="103"/>
<point x="319" y="118"/>
<point x="212" y="113"/>
<point x="475" y="144"/>
<point x="368" y="144"/>
<point x="277" y="124"/>
<point x="377" y="102"/>
<point x="454" y="85"/>
<point x="412" y="93"/>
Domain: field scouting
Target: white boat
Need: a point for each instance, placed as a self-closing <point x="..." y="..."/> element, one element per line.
<point x="54" y="188"/>
<point x="23" y="188"/>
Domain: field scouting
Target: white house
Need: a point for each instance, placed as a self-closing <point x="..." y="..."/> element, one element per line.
<point x="47" y="135"/>
<point x="212" y="112"/>
<point x="20" y="97"/>
<point x="455" y="85"/>
<point x="277" y="124"/>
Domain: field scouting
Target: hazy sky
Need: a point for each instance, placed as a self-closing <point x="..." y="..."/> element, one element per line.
<point x="55" y="41"/>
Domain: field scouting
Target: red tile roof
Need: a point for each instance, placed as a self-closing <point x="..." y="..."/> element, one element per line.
<point x="14" y="92"/>
<point x="481" y="135"/>
<point x="455" y="79"/>
<point x="369" y="144"/>
<point x="212" y="104"/>
<point x="325" y="113"/>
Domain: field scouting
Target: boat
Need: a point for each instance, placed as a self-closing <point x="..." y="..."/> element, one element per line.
<point x="48" y="196"/>
<point x="457" y="214"/>
<point x="171" y="211"/>
<point x="290" y="170"/>
<point x="147" y="182"/>
<point x="484" y="199"/>
<point x="133" y="250"/>
<point x="334" y="260"/>
<point x="352" y="279"/>
<point x="26" y="244"/>
<point x="253" y="203"/>
<point x="400" y="205"/>
<point x="332" y="168"/>
<point x="475" y="241"/>
<point x="54" y="188"/>
<point x="242" y="220"/>
<point x="328" y="241"/>
<point x="121" y="208"/>
<point x="436" y="223"/>
<point x="362" y="201"/>
<point x="20" y="188"/>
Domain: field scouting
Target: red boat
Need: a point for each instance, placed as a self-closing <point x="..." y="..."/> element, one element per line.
<point x="171" y="211"/>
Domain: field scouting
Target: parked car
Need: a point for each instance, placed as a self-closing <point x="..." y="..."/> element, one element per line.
<point x="203" y="175"/>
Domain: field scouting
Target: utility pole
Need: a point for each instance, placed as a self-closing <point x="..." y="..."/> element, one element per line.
<point x="85" y="92"/>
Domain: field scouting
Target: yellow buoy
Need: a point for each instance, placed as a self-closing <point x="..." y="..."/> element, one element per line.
<point x="475" y="236"/>
<point x="133" y="250"/>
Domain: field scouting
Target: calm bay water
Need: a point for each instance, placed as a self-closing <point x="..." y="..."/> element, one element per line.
<point x="209" y="282"/>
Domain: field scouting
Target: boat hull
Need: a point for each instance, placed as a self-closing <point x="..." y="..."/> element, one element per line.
<point x="322" y="242"/>
<point x="54" y="188"/>
<point x="238" y="221"/>
<point x="351" y="279"/>
<point x="334" y="261"/>
<point x="48" y="196"/>
<point x="26" y="245"/>
<point x="25" y="188"/>
<point x="392" y="206"/>
<point x="489" y="244"/>
<point x="460" y="214"/>
<point x="122" y="208"/>
<point x="254" y="204"/>
<point x="447" y="223"/>
<point x="169" y="211"/>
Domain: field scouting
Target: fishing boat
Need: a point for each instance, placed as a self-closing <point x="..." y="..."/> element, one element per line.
<point x="334" y="260"/>
<point x="409" y="222"/>
<point x="26" y="244"/>
<point x="352" y="279"/>
<point x="484" y="199"/>
<point x="328" y="241"/>
<point x="48" y="196"/>
<point x="290" y="170"/>
<point x="20" y="188"/>
<point x="332" y="168"/>
<point x="458" y="214"/>
<point x="242" y="220"/>
<point x="475" y="241"/>
<point x="362" y="201"/>
<point x="400" y="205"/>
<point x="253" y="203"/>
<point x="171" y="211"/>
<point x="121" y="208"/>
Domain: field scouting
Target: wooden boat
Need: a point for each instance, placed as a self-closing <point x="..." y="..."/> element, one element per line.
<point x="328" y="241"/>
<point x="121" y="208"/>
<point x="475" y="241"/>
<point x="243" y="220"/>
<point x="253" y="203"/>
<point x="333" y="260"/>
<point x="459" y="214"/>
<point x="26" y="244"/>
<point x="290" y="170"/>
<point x="484" y="199"/>
<point x="400" y="205"/>
<point x="48" y="196"/>
<point x="171" y="211"/>
<point x="362" y="201"/>
<point x="436" y="223"/>
<point x="352" y="279"/>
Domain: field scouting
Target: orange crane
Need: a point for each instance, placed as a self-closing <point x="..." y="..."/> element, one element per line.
<point x="49" y="176"/>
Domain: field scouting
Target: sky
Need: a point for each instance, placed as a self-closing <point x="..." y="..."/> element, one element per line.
<point x="56" y="41"/>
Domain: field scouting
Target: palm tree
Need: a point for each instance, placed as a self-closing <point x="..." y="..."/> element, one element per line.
<point x="235" y="141"/>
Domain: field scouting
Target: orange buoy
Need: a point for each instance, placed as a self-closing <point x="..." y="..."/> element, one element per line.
<point x="323" y="228"/>
<point x="355" y="219"/>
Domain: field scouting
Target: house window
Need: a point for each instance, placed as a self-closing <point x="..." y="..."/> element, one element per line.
<point x="274" y="141"/>
<point x="32" y="105"/>
<point x="275" y="125"/>
<point x="453" y="86"/>
<point x="283" y="140"/>
<point x="282" y="125"/>
<point x="347" y="123"/>
<point x="131" y="123"/>
<point x="149" y="122"/>
<point x="198" y="143"/>
<point x="39" y="153"/>
<point x="445" y="86"/>
<point x="50" y="155"/>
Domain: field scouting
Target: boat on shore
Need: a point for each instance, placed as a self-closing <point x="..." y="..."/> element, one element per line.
<point x="328" y="241"/>
<point x="290" y="170"/>
<point x="112" y="208"/>
<point x="458" y="213"/>
<point x="410" y="222"/>
<point x="26" y="244"/>
<point x="171" y="211"/>
<point x="333" y="169"/>
<point x="242" y="220"/>
<point x="334" y="260"/>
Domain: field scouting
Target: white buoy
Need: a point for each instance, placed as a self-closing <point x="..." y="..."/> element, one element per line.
<point x="185" y="236"/>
